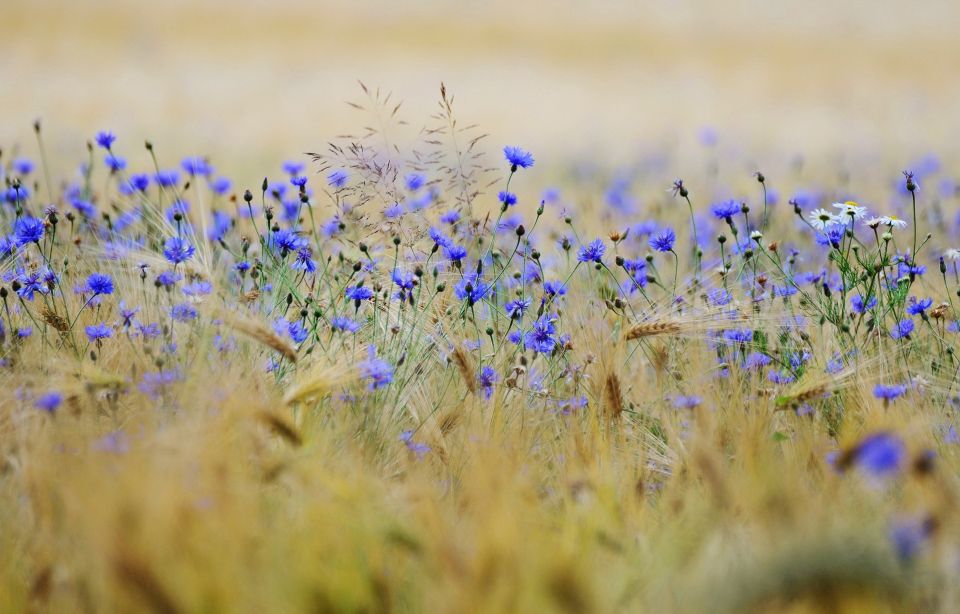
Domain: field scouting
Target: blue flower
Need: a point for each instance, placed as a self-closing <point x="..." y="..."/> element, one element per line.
<point x="888" y="393"/>
<point x="298" y="332"/>
<point x="507" y="198"/>
<point x="48" y="401"/>
<point x="516" y="308"/>
<point x="686" y="401"/>
<point x="220" y="185"/>
<point x="859" y="306"/>
<point x="663" y="240"/>
<point x="450" y="217"/>
<point x="96" y="332"/>
<point x="166" y="179"/>
<point x="880" y="455"/>
<point x="105" y="139"/>
<point x="541" y="337"/>
<point x="288" y="241"/>
<point x="341" y="323"/>
<point x="168" y="278"/>
<point x="28" y="230"/>
<point x="593" y="252"/>
<point x="414" y="181"/>
<point x="98" y="283"/>
<point x="196" y="166"/>
<point x="378" y="371"/>
<point x="176" y="250"/>
<point x="358" y="293"/>
<point x="140" y="182"/>
<point x="22" y="166"/>
<point x="917" y="308"/>
<point x="517" y="158"/>
<point x="455" y="253"/>
<point x="114" y="163"/>
<point x="903" y="329"/>
<point x="293" y="168"/>
<point x="725" y="210"/>
<point x="304" y="260"/>
<point x="487" y="377"/>
<point x="738" y="335"/>
<point x="183" y="312"/>
<point x="909" y="535"/>
<point x="337" y="178"/>
<point x="471" y="289"/>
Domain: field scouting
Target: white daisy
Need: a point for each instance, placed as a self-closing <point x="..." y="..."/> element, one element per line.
<point x="821" y="219"/>
<point x="851" y="209"/>
<point x="893" y="221"/>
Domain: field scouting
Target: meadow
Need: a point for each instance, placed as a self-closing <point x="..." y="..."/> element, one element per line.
<point x="418" y="370"/>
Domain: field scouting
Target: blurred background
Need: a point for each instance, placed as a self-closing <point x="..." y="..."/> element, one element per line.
<point x="253" y="81"/>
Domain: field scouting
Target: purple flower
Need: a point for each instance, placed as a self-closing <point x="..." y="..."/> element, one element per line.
<point x="917" y="308"/>
<point x="507" y="198"/>
<point x="293" y="168"/>
<point x="48" y="401"/>
<point x="859" y="306"/>
<point x="176" y="250"/>
<point x="516" y="308"/>
<point x="592" y="252"/>
<point x="725" y="210"/>
<point x="28" y="230"/>
<point x="378" y="371"/>
<point x="903" y="329"/>
<point x="455" y="253"/>
<point x="663" y="240"/>
<point x="471" y="289"/>
<point x="686" y="401"/>
<point x="880" y="455"/>
<point x="517" y="158"/>
<point x="97" y="332"/>
<point x="98" y="283"/>
<point x="487" y="378"/>
<point x="344" y="324"/>
<point x="358" y="293"/>
<point x="414" y="181"/>
<point x="888" y="393"/>
<point x="541" y="337"/>
<point x="105" y="139"/>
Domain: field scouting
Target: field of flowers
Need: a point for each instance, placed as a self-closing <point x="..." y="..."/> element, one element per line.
<point x="440" y="374"/>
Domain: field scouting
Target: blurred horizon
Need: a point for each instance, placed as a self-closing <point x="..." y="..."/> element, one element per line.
<point x="251" y="82"/>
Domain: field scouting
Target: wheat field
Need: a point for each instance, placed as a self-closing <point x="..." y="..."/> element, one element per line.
<point x="478" y="308"/>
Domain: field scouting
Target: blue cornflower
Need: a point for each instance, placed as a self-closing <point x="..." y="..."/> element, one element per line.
<point x="140" y="182"/>
<point x="507" y="198"/>
<point x="592" y="252"/>
<point x="439" y="238"/>
<point x="419" y="449"/>
<point x="517" y="158"/>
<point x="450" y="217"/>
<point x="516" y="308"/>
<point x="168" y="278"/>
<point x="887" y="393"/>
<point x="541" y="337"/>
<point x="663" y="240"/>
<point x="48" y="401"/>
<point x="358" y="293"/>
<point x="856" y="302"/>
<point x="487" y="378"/>
<point x="780" y="377"/>
<point x="378" y="371"/>
<point x="918" y="307"/>
<point x="105" y="139"/>
<point x="97" y="332"/>
<point x="22" y="166"/>
<point x="686" y="401"/>
<point x="293" y="168"/>
<point x="220" y="185"/>
<point x="29" y="285"/>
<point x="99" y="283"/>
<point x="738" y="335"/>
<point x="298" y="332"/>
<point x="299" y="181"/>
<point x="28" y="230"/>
<point x="337" y="178"/>
<point x="304" y="260"/>
<point x="880" y="455"/>
<point x="166" y="179"/>
<point x="24" y="331"/>
<point x="344" y="324"/>
<point x="455" y="253"/>
<point x="903" y="329"/>
<point x="554" y="288"/>
<point x="176" y="250"/>
<point x="194" y="166"/>
<point x="287" y="241"/>
<point x="114" y="163"/>
<point x="755" y="360"/>
<point x="909" y="535"/>
<point x="414" y="181"/>
<point x="471" y="289"/>
<point x="183" y="312"/>
<point x="725" y="210"/>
